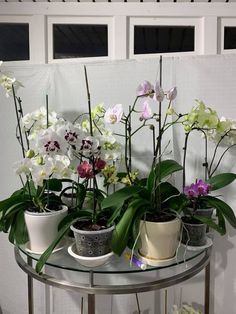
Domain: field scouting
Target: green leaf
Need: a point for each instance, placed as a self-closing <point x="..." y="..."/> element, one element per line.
<point x="167" y="167"/>
<point x="221" y="180"/>
<point x="221" y="221"/>
<point x="21" y="234"/>
<point x="14" y="209"/>
<point x="11" y="236"/>
<point x="123" y="229"/>
<point x="135" y="227"/>
<point x="54" y="185"/>
<point x="114" y="215"/>
<point x="74" y="215"/>
<point x="222" y="208"/>
<point x="118" y="198"/>
<point x="45" y="256"/>
<point x="150" y="180"/>
<point x="211" y="224"/>
<point x="167" y="190"/>
<point x="7" y="203"/>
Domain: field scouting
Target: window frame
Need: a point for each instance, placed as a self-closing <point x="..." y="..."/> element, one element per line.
<point x="163" y="21"/>
<point x="51" y="20"/>
<point x="36" y="42"/>
<point x="226" y="22"/>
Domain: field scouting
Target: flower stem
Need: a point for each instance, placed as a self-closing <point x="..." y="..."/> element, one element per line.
<point x="94" y="186"/>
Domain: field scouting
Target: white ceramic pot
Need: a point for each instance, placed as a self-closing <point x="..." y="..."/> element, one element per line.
<point x="43" y="228"/>
<point x="159" y="240"/>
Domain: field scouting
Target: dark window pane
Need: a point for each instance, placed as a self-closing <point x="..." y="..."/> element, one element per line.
<point x="230" y="38"/>
<point x="163" y="39"/>
<point x="14" y="41"/>
<point x="79" y="40"/>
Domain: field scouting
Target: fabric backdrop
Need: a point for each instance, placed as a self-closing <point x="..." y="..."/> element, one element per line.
<point x="209" y="78"/>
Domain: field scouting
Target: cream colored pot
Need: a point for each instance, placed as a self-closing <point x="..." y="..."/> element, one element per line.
<point x="159" y="240"/>
<point x="43" y="228"/>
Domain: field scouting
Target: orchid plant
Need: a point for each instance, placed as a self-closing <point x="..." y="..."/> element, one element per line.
<point x="55" y="151"/>
<point x="142" y="197"/>
<point x="154" y="197"/>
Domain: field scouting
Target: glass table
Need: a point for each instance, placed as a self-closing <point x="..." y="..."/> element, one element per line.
<point x="186" y="265"/>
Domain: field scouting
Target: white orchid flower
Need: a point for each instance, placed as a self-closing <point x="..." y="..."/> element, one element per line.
<point x="28" y="121"/>
<point x="72" y="134"/>
<point x="40" y="173"/>
<point x="58" y="165"/>
<point x="113" y="115"/>
<point x="49" y="142"/>
<point x="6" y="82"/>
<point x="90" y="146"/>
<point x="23" y="166"/>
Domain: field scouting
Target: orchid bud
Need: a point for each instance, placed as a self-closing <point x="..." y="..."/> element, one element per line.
<point x="30" y="153"/>
<point x="151" y="127"/>
<point x="170" y="111"/>
<point x="39" y="160"/>
<point x="172" y="93"/>
<point x="186" y="117"/>
<point x="159" y="93"/>
<point x="187" y="128"/>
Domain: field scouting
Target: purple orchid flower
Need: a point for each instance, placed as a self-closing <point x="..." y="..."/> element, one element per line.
<point x="146" y="111"/>
<point x="145" y="89"/>
<point x="200" y="188"/>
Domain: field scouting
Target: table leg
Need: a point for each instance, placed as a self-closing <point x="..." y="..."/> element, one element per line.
<point x="207" y="289"/>
<point x="91" y="303"/>
<point x="30" y="289"/>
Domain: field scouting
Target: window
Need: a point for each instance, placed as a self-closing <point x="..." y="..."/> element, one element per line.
<point x="163" y="39"/>
<point x="151" y="36"/>
<point x="230" y="37"/>
<point x="14" y="41"/>
<point x="84" y="38"/>
<point x="79" y="41"/>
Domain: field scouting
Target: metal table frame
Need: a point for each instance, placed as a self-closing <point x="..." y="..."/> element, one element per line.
<point x="92" y="289"/>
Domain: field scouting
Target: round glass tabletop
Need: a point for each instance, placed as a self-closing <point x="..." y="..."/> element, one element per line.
<point x="115" y="265"/>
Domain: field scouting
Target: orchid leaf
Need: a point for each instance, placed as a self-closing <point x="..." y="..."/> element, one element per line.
<point x="45" y="256"/>
<point x="150" y="181"/>
<point x="54" y="185"/>
<point x="167" y="167"/>
<point x="211" y="224"/>
<point x="11" y="236"/>
<point x="135" y="228"/>
<point x="20" y="232"/>
<point x="13" y="209"/>
<point x="122" y="231"/>
<point x="72" y="216"/>
<point x="118" y="198"/>
<point x="222" y="208"/>
<point x="221" y="180"/>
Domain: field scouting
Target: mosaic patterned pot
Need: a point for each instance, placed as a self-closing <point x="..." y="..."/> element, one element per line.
<point x="93" y="243"/>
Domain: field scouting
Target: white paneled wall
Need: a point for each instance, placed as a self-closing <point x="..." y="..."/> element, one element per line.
<point x="209" y="78"/>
